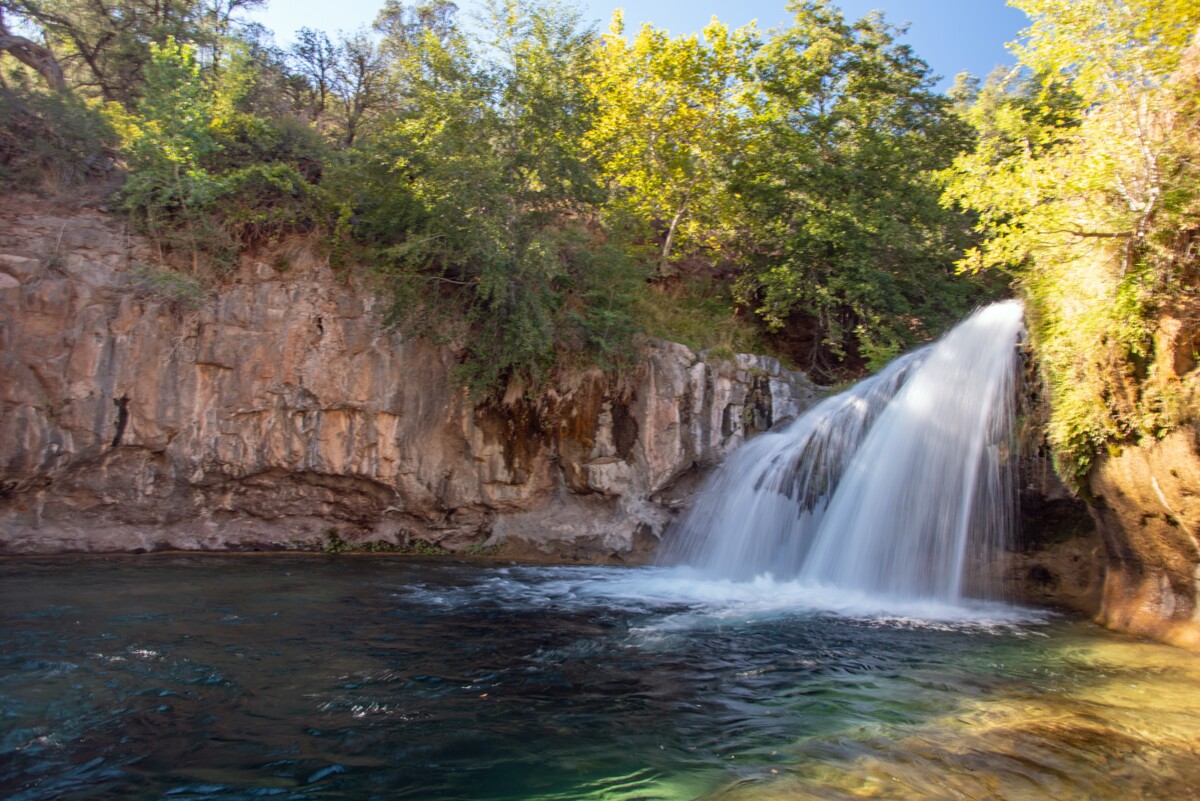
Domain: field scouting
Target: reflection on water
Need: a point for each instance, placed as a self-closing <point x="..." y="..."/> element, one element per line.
<point x="345" y="678"/>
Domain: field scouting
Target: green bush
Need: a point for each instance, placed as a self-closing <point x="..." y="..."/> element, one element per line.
<point x="175" y="288"/>
<point x="245" y="139"/>
<point x="209" y="185"/>
<point x="52" y="140"/>
<point x="258" y="202"/>
<point x="699" y="312"/>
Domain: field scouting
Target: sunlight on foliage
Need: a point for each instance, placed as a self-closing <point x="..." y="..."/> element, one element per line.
<point x="701" y="314"/>
<point x="1083" y="171"/>
<point x="669" y="125"/>
<point x="522" y="188"/>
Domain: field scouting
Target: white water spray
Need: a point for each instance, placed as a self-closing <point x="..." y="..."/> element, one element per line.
<point x="890" y="489"/>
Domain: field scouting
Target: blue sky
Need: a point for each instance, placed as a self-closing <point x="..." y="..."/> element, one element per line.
<point x="951" y="35"/>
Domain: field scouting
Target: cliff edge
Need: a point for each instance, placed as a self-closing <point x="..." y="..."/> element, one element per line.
<point x="140" y="412"/>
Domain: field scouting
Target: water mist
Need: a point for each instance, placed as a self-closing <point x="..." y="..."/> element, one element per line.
<point x="890" y="489"/>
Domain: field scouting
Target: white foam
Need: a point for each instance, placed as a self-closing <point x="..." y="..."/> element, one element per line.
<point x="887" y="491"/>
<point x="678" y="598"/>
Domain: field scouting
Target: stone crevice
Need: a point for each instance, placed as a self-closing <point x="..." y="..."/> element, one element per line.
<point x="208" y="427"/>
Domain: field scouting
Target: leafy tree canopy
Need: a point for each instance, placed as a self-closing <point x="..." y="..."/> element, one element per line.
<point x="525" y="187"/>
<point x="842" y="223"/>
<point x="1083" y="179"/>
<point x="670" y="123"/>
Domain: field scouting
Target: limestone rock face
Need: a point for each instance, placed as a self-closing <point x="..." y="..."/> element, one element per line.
<point x="1148" y="511"/>
<point x="1146" y="499"/>
<point x="277" y="409"/>
<point x="1059" y="558"/>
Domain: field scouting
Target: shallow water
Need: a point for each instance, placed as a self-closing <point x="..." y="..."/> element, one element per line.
<point x="186" y="677"/>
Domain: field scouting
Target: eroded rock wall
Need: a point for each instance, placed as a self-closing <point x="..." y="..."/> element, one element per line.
<point x="1148" y="511"/>
<point x="1059" y="558"/>
<point x="276" y="409"/>
<point x="1146" y="501"/>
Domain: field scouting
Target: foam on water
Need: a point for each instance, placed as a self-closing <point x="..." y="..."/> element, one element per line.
<point x="684" y="597"/>
<point x="353" y="678"/>
<point x="882" y="496"/>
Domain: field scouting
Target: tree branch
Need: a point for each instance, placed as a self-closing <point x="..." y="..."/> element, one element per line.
<point x="1094" y="234"/>
<point x="33" y="55"/>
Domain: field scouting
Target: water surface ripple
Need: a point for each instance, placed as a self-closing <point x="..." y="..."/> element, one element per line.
<point x="188" y="677"/>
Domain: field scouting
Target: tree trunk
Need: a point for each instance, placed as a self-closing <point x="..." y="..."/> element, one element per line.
<point x="33" y="55"/>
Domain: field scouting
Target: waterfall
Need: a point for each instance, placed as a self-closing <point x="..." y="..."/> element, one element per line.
<point x="891" y="488"/>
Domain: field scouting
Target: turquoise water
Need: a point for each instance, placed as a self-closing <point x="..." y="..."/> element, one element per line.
<point x="188" y="677"/>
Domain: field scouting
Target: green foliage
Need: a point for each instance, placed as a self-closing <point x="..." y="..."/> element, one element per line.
<point x="179" y="290"/>
<point x="207" y="176"/>
<point x="51" y="139"/>
<point x="668" y="127"/>
<point x="487" y="171"/>
<point x="843" y="225"/>
<point x="698" y="312"/>
<point x="814" y="156"/>
<point x="1081" y="183"/>
<point x="250" y="123"/>
<point x="168" y="192"/>
<point x="533" y="193"/>
<point x="423" y="548"/>
<point x="334" y="544"/>
<point x="260" y="159"/>
<point x="259" y="202"/>
<point x="106" y="47"/>
<point x="482" y="549"/>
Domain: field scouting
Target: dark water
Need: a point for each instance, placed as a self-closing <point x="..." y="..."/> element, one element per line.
<point x="172" y="677"/>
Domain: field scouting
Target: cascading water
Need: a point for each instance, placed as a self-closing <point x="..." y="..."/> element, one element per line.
<point x="888" y="489"/>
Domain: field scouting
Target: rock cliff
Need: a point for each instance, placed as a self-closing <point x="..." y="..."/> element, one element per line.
<point x="140" y="413"/>
<point x="1146" y="500"/>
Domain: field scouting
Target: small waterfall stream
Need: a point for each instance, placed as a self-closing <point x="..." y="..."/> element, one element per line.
<point x="889" y="489"/>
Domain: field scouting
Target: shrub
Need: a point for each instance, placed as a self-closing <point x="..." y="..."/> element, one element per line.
<point x="261" y="201"/>
<point x="52" y="140"/>
<point x="206" y="178"/>
<point x="700" y="313"/>
<point x="176" y="289"/>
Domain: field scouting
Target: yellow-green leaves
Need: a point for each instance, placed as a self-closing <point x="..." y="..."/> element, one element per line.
<point x="842" y="227"/>
<point x="1077" y="155"/>
<point x="669" y="122"/>
<point x="1106" y="49"/>
<point x="489" y="148"/>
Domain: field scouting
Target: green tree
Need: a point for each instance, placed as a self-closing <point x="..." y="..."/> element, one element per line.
<point x="265" y="160"/>
<point x="844" y="232"/>
<point x="209" y="169"/>
<point x="104" y="47"/>
<point x="405" y="26"/>
<point x="32" y="55"/>
<point x="361" y="86"/>
<point x="669" y="124"/>
<point x="172" y="130"/>
<point x="164" y="144"/>
<point x="313" y="57"/>
<point x="497" y="252"/>
<point x="1083" y="176"/>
